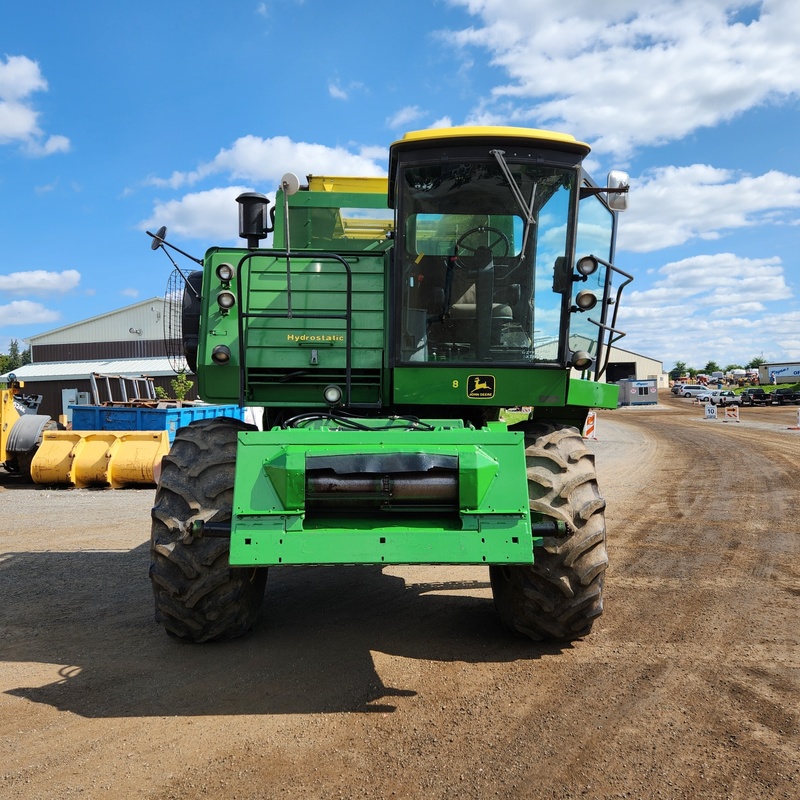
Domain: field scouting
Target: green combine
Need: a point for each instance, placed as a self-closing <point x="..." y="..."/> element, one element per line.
<point x="383" y="334"/>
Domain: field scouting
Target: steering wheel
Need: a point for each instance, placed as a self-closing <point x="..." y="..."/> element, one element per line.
<point x="499" y="239"/>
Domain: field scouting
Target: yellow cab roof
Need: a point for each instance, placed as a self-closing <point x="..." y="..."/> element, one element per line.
<point x="490" y="132"/>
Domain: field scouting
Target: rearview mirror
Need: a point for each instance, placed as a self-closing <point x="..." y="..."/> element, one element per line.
<point x="618" y="185"/>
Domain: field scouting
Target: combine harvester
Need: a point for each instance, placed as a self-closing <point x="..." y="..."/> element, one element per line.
<point x="383" y="334"/>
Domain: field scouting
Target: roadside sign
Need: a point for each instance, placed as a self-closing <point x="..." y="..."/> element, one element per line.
<point x="589" y="427"/>
<point x="732" y="413"/>
<point x="711" y="411"/>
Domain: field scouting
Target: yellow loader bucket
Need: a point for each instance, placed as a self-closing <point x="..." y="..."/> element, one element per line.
<point x="99" y="458"/>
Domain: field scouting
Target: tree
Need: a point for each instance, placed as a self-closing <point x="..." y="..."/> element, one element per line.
<point x="756" y="362"/>
<point x="14" y="359"/>
<point x="711" y="367"/>
<point x="732" y="367"/>
<point x="678" y="370"/>
<point x="180" y="385"/>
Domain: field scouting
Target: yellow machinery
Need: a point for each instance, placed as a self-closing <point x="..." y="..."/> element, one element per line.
<point x="21" y="428"/>
<point x="32" y="447"/>
<point x="100" y="458"/>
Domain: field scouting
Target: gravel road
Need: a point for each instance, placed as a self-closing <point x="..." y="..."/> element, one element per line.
<point x="399" y="682"/>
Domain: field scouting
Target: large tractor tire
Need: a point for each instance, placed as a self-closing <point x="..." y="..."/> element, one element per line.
<point x="561" y="595"/>
<point x="26" y="438"/>
<point x="198" y="596"/>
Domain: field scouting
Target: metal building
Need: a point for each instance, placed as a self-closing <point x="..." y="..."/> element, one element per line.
<point x="127" y="342"/>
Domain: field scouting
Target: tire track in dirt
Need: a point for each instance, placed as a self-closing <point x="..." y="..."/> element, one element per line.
<point x="360" y="682"/>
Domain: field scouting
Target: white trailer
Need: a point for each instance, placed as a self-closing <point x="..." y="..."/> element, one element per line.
<point x="785" y="372"/>
<point x="638" y="393"/>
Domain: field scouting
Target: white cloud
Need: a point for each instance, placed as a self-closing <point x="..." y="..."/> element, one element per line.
<point x="336" y="91"/>
<point x="53" y="144"/>
<point x="339" y="92"/>
<point x="674" y="205"/>
<point x="714" y="280"/>
<point x="695" y="310"/>
<point x="404" y="117"/>
<point x="624" y="74"/>
<point x="17" y="121"/>
<point x="375" y="153"/>
<point x="129" y="292"/>
<point x="212" y="215"/>
<point x="264" y="161"/>
<point x="25" y="312"/>
<point x="19" y="78"/>
<point x="40" y="281"/>
<point x="443" y="122"/>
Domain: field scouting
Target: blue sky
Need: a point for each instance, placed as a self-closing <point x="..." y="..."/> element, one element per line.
<point x="115" y="117"/>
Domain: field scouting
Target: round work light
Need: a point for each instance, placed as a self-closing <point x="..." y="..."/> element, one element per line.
<point x="221" y="354"/>
<point x="332" y="394"/>
<point x="225" y="272"/>
<point x="587" y="266"/>
<point x="581" y="360"/>
<point x="226" y="300"/>
<point x="585" y="300"/>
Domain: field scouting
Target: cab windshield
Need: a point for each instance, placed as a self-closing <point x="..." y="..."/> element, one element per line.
<point x="478" y="260"/>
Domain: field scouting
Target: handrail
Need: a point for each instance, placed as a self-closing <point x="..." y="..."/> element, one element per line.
<point x="612" y="328"/>
<point x="347" y="316"/>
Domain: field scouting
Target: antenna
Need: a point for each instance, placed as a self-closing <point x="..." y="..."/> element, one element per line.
<point x="160" y="242"/>
<point x="290" y="184"/>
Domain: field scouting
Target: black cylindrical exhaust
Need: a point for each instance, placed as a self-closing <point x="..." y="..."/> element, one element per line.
<point x="253" y="222"/>
<point x="432" y="490"/>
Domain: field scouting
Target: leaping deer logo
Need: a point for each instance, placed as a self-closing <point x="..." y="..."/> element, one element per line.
<point x="481" y="386"/>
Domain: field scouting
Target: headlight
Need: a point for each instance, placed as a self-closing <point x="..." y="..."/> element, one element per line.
<point x="332" y="395"/>
<point x="581" y="360"/>
<point x="225" y="272"/>
<point x="221" y="354"/>
<point x="585" y="300"/>
<point x="587" y="266"/>
<point x="226" y="300"/>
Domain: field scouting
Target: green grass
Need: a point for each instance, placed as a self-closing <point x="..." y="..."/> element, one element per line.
<point x="512" y="417"/>
<point x="767" y="387"/>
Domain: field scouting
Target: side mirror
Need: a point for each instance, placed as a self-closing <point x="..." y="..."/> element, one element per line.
<point x="618" y="185"/>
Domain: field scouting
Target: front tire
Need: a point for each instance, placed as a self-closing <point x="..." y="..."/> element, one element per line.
<point x="561" y="594"/>
<point x="198" y="596"/>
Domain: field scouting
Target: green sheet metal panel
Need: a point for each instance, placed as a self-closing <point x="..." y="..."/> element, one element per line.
<point x="450" y="385"/>
<point x="491" y="523"/>
<point x="590" y="394"/>
<point x="291" y="358"/>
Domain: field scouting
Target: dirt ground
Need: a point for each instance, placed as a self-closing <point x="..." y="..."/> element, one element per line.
<point x="399" y="682"/>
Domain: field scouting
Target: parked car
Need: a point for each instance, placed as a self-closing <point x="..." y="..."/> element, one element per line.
<point x="677" y="388"/>
<point x="785" y="396"/>
<point x="693" y="390"/>
<point x="755" y="396"/>
<point x="724" y="397"/>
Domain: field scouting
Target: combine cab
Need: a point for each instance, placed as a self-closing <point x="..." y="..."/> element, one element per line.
<point x="383" y="333"/>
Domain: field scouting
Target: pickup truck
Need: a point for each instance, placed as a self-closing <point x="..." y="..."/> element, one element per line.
<point x="724" y="397"/>
<point x="785" y="396"/>
<point x="755" y="397"/>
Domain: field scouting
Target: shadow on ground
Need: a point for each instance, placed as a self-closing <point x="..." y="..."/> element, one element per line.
<point x="90" y="613"/>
